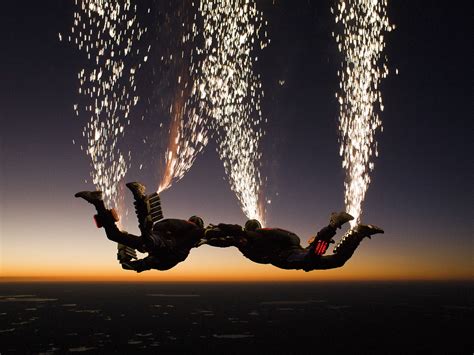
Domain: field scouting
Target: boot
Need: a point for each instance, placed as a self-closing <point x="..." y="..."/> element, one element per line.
<point x="92" y="197"/>
<point x="137" y="189"/>
<point x="367" y="230"/>
<point x="353" y="237"/>
<point x="339" y="218"/>
<point x="104" y="217"/>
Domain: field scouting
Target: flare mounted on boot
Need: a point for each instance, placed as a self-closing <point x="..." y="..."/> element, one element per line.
<point x="353" y="237"/>
<point x="90" y="196"/>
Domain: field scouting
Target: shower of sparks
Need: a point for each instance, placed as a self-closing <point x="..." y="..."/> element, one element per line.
<point x="361" y="41"/>
<point x="189" y="130"/>
<point x="232" y="93"/>
<point x="108" y="32"/>
<point x="188" y="136"/>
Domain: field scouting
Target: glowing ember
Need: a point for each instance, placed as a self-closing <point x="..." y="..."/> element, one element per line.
<point x="232" y="93"/>
<point x="108" y="32"/>
<point x="364" y="24"/>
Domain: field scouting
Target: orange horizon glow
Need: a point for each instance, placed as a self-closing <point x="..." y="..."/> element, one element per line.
<point x="245" y="271"/>
<point x="154" y="279"/>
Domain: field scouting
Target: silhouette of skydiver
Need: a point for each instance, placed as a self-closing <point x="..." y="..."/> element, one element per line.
<point x="283" y="249"/>
<point x="167" y="242"/>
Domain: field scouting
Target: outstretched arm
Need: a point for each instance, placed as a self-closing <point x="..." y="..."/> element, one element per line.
<point x="151" y="262"/>
<point x="137" y="265"/>
<point x="224" y="242"/>
<point x="222" y="235"/>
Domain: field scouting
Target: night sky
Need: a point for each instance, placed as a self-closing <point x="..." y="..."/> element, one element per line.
<point x="421" y="191"/>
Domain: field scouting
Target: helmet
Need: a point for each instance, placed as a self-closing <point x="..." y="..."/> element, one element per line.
<point x="252" y="225"/>
<point x="197" y="221"/>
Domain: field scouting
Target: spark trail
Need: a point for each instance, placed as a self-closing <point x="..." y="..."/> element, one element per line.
<point x="232" y="93"/>
<point x="188" y="137"/>
<point x="108" y="33"/>
<point x="361" y="41"/>
<point x="189" y="129"/>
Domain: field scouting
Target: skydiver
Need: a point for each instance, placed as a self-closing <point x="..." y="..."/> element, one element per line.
<point x="167" y="242"/>
<point x="283" y="249"/>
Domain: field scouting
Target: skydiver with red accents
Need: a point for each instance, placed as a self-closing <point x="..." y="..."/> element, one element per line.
<point x="283" y="249"/>
<point x="167" y="241"/>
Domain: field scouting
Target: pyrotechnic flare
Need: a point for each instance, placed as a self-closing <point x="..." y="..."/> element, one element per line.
<point x="108" y="32"/>
<point x="363" y="26"/>
<point x="232" y="92"/>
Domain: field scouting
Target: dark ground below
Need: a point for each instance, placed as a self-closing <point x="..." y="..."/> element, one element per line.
<point x="317" y="318"/>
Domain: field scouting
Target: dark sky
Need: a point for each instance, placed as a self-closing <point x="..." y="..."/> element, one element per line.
<point x="421" y="191"/>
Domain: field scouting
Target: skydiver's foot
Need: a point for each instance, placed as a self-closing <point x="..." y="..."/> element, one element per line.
<point x="339" y="218"/>
<point x="367" y="230"/>
<point x="92" y="197"/>
<point x="137" y="189"/>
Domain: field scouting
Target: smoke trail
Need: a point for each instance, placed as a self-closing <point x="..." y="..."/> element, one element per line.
<point x="361" y="40"/>
<point x="108" y="32"/>
<point x="232" y="93"/>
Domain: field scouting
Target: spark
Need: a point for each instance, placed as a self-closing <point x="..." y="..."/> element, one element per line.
<point x="232" y="93"/>
<point x="189" y="129"/>
<point x="361" y="41"/>
<point x="108" y="33"/>
<point x="219" y="93"/>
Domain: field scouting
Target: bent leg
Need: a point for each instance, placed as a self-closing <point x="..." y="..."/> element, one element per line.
<point x="322" y="240"/>
<point x="344" y="250"/>
<point x="304" y="259"/>
<point x="106" y="218"/>
<point x="116" y="235"/>
<point x="293" y="259"/>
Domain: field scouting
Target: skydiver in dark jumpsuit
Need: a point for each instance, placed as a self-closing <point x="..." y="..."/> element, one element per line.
<point x="283" y="249"/>
<point x="167" y="242"/>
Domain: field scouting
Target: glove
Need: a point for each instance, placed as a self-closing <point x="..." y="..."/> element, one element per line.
<point x="231" y="229"/>
<point x="213" y="232"/>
